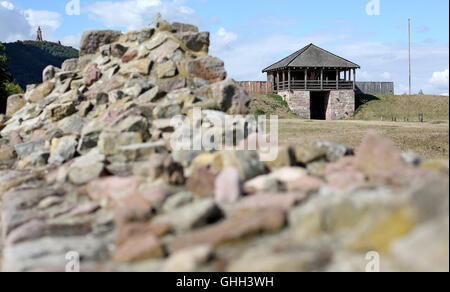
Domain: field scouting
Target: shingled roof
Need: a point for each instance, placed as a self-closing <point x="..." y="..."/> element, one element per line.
<point x="313" y="56"/>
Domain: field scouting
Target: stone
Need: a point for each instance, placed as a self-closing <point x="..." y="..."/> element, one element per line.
<point x="195" y="41"/>
<point x="284" y="158"/>
<point x="63" y="150"/>
<point x="57" y="112"/>
<point x="36" y="159"/>
<point x="110" y="142"/>
<point x="305" y="154"/>
<point x="228" y="96"/>
<point x="84" y="174"/>
<point x="126" y="231"/>
<point x="49" y="73"/>
<point x="334" y="151"/>
<point x="191" y="216"/>
<point x="201" y="182"/>
<point x="172" y="84"/>
<point x="6" y="152"/>
<point x="130" y="56"/>
<point x="142" y="151"/>
<point x="228" y="186"/>
<point x="307" y="184"/>
<point x="177" y="200"/>
<point x="70" y="65"/>
<point x="28" y="148"/>
<point x="183" y="27"/>
<point x="92" y="40"/>
<point x="107" y="86"/>
<point x="118" y="50"/>
<point x="233" y="229"/>
<point x="14" y="103"/>
<point x="164" y="166"/>
<point x="285" y="201"/>
<point x="377" y="154"/>
<point x="188" y="260"/>
<point x="40" y="92"/>
<point x="246" y="162"/>
<point x="93" y="75"/>
<point x="207" y="68"/>
<point x="166" y="70"/>
<point x="140" y="66"/>
<point x="139" y="248"/>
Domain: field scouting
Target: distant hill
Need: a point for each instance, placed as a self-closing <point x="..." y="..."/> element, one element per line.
<point x="27" y="59"/>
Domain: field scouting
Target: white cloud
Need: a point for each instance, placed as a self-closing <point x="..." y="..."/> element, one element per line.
<point x="13" y="23"/>
<point x="72" y="40"/>
<point x="45" y="19"/>
<point x="440" y="80"/>
<point x="386" y="75"/>
<point x="17" y="24"/>
<point x="7" y="5"/>
<point x="222" y="39"/>
<point x="135" y="14"/>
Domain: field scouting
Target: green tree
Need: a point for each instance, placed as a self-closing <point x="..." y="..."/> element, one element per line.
<point x="5" y="77"/>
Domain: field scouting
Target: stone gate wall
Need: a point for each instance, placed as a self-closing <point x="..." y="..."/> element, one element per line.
<point x="340" y="105"/>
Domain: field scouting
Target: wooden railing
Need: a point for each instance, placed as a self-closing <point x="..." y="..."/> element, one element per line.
<point x="314" y="85"/>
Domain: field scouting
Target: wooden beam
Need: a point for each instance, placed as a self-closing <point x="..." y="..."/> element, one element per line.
<point x="278" y="81"/>
<point x="321" y="78"/>
<point x="284" y="79"/>
<point x="337" y="78"/>
<point x="306" y="78"/>
<point x="289" y="79"/>
<point x="354" y="79"/>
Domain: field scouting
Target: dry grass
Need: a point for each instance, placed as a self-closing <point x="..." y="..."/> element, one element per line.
<point x="429" y="140"/>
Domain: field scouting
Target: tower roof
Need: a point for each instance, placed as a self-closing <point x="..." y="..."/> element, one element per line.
<point x="312" y="56"/>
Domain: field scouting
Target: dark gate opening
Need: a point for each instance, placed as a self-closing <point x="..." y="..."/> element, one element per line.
<point x="319" y="104"/>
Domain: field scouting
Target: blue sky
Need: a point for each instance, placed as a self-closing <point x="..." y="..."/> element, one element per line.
<point x="251" y="34"/>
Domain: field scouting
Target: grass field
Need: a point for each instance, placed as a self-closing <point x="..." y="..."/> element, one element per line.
<point x="429" y="139"/>
<point x="435" y="108"/>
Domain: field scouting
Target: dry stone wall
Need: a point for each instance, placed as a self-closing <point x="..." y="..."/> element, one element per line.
<point x="87" y="172"/>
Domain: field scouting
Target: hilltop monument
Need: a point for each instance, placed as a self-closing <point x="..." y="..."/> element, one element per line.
<point x="39" y="35"/>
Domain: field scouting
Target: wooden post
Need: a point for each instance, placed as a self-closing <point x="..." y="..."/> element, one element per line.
<point x="278" y="81"/>
<point x="306" y="78"/>
<point x="289" y="79"/>
<point x="321" y="78"/>
<point x="337" y="78"/>
<point x="354" y="79"/>
<point x="284" y="79"/>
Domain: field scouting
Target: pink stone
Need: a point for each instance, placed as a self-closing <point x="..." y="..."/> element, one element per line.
<point x="113" y="188"/>
<point x="377" y="155"/>
<point x="306" y="184"/>
<point x="228" y="186"/>
<point x="130" y="56"/>
<point x="139" y="248"/>
<point x="283" y="201"/>
<point x="93" y="75"/>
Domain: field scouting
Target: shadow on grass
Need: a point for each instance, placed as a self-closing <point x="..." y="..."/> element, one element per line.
<point x="362" y="99"/>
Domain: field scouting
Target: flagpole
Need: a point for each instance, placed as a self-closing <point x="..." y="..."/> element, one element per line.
<point x="409" y="53"/>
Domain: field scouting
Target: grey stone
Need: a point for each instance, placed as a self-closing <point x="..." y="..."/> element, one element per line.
<point x="177" y="200"/>
<point x="92" y="40"/>
<point x="49" y="73"/>
<point x="70" y="65"/>
<point x="334" y="151"/>
<point x="64" y="151"/>
<point x="194" y="215"/>
<point x="28" y="148"/>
